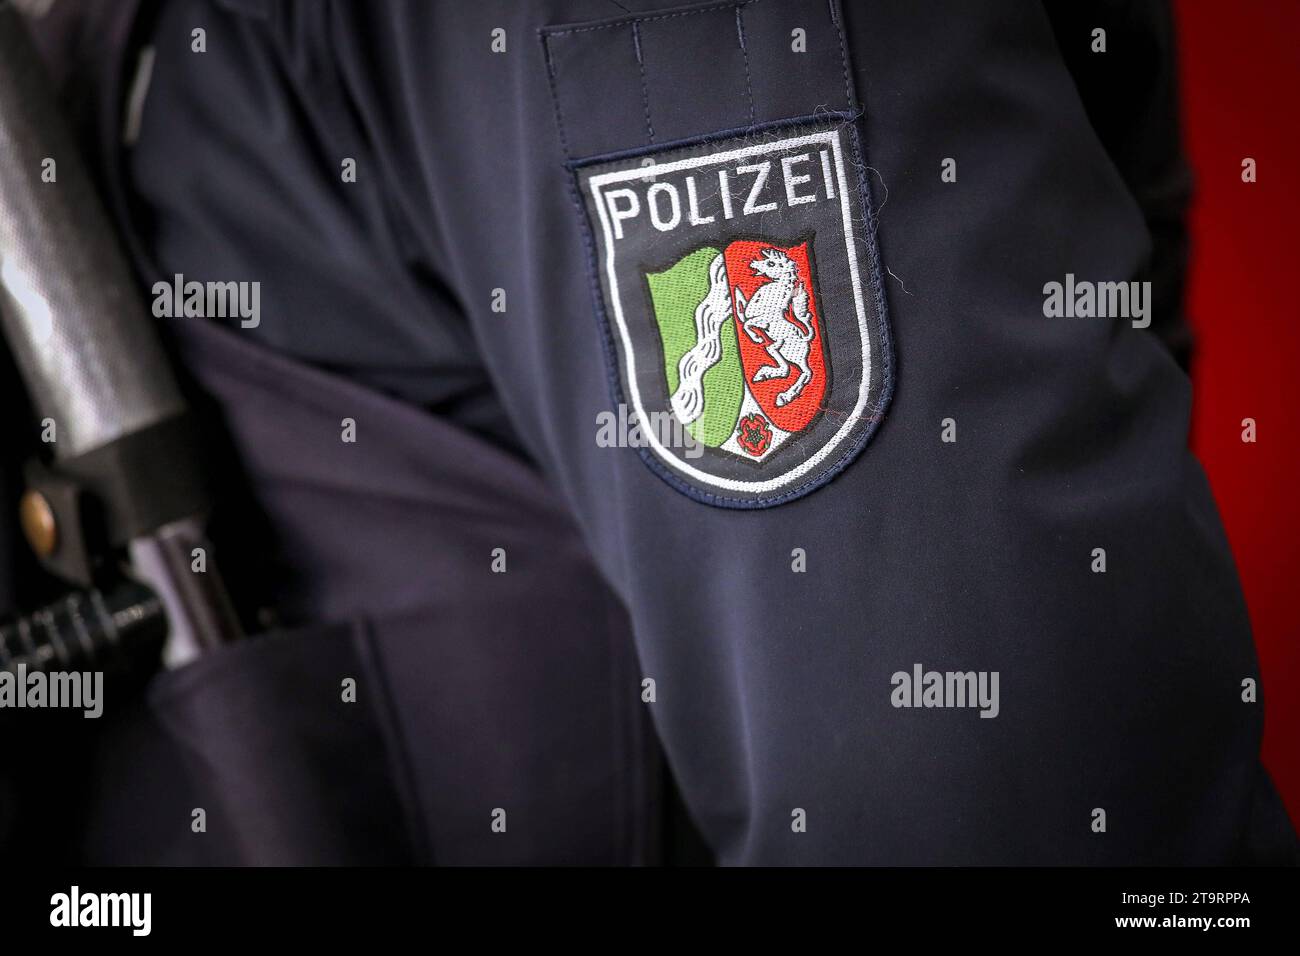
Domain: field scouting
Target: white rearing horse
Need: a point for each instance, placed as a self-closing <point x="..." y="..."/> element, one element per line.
<point x="788" y="343"/>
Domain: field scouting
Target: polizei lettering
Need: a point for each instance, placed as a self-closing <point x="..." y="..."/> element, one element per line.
<point x="697" y="198"/>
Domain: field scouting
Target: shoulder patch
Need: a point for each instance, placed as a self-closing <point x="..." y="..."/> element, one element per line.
<point x="740" y="292"/>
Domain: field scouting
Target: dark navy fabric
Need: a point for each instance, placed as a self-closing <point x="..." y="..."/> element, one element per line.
<point x="1119" y="691"/>
<point x="468" y="698"/>
<point x="500" y="688"/>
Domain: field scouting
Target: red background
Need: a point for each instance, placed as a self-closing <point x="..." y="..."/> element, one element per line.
<point x="807" y="403"/>
<point x="1240" y="67"/>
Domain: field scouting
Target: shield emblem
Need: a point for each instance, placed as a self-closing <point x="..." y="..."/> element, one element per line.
<point x="745" y="368"/>
<point x="741" y="296"/>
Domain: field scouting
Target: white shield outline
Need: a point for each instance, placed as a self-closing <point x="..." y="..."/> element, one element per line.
<point x="597" y="182"/>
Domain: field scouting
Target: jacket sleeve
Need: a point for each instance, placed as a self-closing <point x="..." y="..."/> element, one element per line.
<point x="1025" y="510"/>
<point x="1065" y="541"/>
<point x="1130" y="96"/>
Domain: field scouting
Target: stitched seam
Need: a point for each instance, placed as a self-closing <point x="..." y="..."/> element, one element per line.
<point x="813" y="121"/>
<point x="626" y="20"/>
<point x="749" y="85"/>
<point x="850" y="103"/>
<point x="555" y="96"/>
<point x="545" y="34"/>
<point x="645" y="89"/>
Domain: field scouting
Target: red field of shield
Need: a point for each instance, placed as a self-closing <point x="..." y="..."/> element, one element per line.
<point x="803" y="408"/>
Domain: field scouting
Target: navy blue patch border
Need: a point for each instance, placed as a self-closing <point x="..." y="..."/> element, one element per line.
<point x="613" y="363"/>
